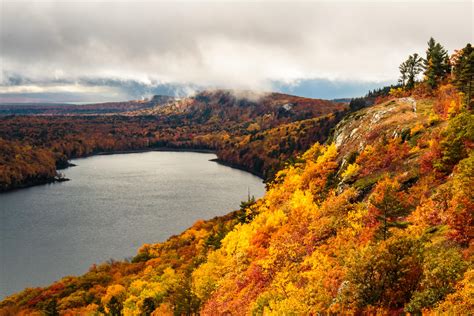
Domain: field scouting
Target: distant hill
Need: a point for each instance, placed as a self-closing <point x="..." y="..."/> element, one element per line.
<point x="241" y="106"/>
<point x="229" y="104"/>
<point x="80" y="109"/>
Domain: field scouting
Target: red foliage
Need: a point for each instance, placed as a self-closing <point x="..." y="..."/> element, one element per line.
<point x="461" y="220"/>
<point x="383" y="158"/>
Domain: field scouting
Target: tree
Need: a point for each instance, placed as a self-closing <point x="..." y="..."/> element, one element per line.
<point x="357" y="104"/>
<point x="403" y="73"/>
<point x="463" y="71"/>
<point x="386" y="204"/>
<point x="460" y="302"/>
<point x="436" y="64"/>
<point x="51" y="308"/>
<point x="148" y="306"/>
<point x="113" y="299"/>
<point x="115" y="307"/>
<point x="456" y="143"/>
<point x="442" y="267"/>
<point x="385" y="274"/>
<point x="409" y="69"/>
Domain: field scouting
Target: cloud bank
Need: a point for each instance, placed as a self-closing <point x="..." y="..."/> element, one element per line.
<point x="129" y="48"/>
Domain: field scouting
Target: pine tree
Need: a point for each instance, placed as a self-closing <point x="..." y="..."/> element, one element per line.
<point x="403" y="73"/>
<point x="436" y="64"/>
<point x="409" y="69"/>
<point x="463" y="72"/>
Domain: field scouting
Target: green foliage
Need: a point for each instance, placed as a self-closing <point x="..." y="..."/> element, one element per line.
<point x="214" y="239"/>
<point x="357" y="104"/>
<point x="148" y="306"/>
<point x="115" y="307"/>
<point x="463" y="71"/>
<point x="141" y="257"/>
<point x="366" y="183"/>
<point x="443" y="265"/>
<point x="185" y="300"/>
<point x="409" y="69"/>
<point x="51" y="308"/>
<point x="457" y="141"/>
<point x="436" y="64"/>
<point x="386" y="274"/>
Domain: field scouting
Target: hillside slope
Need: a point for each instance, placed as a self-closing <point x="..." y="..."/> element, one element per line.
<point x="242" y="106"/>
<point x="217" y="120"/>
<point x="379" y="220"/>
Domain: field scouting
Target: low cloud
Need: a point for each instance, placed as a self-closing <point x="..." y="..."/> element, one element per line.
<point x="135" y="46"/>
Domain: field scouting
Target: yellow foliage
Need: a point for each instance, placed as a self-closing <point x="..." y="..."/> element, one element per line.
<point x="254" y="127"/>
<point x="416" y="129"/>
<point x="355" y="218"/>
<point x="368" y="151"/>
<point x="302" y="204"/>
<point x="351" y="171"/>
<point x="461" y="302"/>
<point x="237" y="241"/>
<point x="315" y="173"/>
<point x="453" y="109"/>
<point x="329" y="153"/>
<point x="396" y="92"/>
<point x="206" y="278"/>
<point x="313" y="152"/>
<point x="414" y="150"/>
<point x="433" y="118"/>
<point x="115" y="290"/>
<point x="311" y="247"/>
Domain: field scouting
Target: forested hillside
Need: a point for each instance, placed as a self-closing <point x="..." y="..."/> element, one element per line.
<point x="223" y="121"/>
<point x="379" y="220"/>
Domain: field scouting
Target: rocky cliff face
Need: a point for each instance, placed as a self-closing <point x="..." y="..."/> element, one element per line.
<point x="383" y="121"/>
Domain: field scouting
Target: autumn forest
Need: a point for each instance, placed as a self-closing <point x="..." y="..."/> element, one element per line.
<point x="368" y="209"/>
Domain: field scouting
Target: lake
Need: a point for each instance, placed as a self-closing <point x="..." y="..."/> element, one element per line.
<point x="112" y="205"/>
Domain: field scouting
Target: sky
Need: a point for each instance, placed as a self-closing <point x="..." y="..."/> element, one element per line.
<point x="91" y="51"/>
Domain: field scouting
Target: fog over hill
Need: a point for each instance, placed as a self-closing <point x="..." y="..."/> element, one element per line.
<point x="62" y="51"/>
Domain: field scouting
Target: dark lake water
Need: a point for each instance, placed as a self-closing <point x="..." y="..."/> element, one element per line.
<point x="112" y="205"/>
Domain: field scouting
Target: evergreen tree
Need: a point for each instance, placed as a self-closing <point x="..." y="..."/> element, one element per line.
<point x="409" y="69"/>
<point x="403" y="73"/>
<point x="463" y="72"/>
<point x="357" y="103"/>
<point x="387" y="204"/>
<point x="115" y="307"/>
<point x="51" y="308"/>
<point x="148" y="306"/>
<point x="436" y="64"/>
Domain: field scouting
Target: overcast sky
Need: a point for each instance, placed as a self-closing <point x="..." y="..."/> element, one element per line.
<point x="80" y="50"/>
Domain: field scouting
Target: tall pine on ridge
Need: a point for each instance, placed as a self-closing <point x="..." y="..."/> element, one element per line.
<point x="463" y="72"/>
<point x="436" y="64"/>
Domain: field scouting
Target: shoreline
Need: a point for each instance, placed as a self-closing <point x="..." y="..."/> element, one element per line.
<point x="38" y="183"/>
<point x="234" y="166"/>
<point x="171" y="149"/>
<point x="132" y="151"/>
<point x="138" y="151"/>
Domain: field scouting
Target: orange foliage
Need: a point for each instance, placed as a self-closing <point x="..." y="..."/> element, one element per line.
<point x="394" y="238"/>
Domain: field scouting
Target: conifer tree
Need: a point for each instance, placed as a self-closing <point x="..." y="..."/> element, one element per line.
<point x="409" y="69"/>
<point x="403" y="73"/>
<point x="436" y="64"/>
<point x="463" y="71"/>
